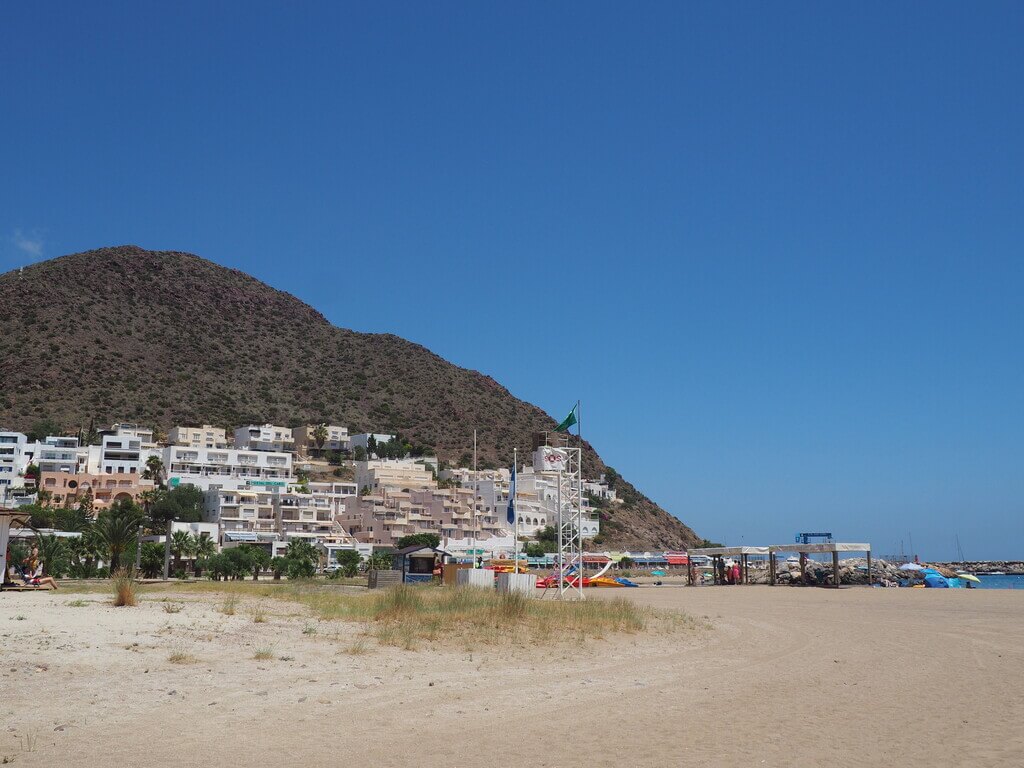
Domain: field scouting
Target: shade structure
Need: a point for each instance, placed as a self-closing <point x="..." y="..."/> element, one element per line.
<point x="717" y="553"/>
<point x="8" y="517"/>
<point x="728" y="551"/>
<point x="969" y="577"/>
<point x="832" y="547"/>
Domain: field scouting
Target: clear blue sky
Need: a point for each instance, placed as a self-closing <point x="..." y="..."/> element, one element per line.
<point x="775" y="248"/>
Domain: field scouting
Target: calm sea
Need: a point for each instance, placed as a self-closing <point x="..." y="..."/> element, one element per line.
<point x="1015" y="581"/>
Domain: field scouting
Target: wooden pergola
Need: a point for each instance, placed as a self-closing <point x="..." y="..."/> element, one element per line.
<point x="717" y="553"/>
<point x="835" y="547"/>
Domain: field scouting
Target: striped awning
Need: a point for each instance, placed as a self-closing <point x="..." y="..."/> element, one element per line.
<point x="241" y="536"/>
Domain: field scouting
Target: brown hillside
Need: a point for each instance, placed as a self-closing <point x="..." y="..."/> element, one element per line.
<point x="169" y="338"/>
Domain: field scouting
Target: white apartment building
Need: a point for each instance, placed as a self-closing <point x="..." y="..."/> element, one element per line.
<point x="396" y="474"/>
<point x="280" y="514"/>
<point x="227" y="468"/>
<point x="337" y="438"/>
<point x="144" y="434"/>
<point x="60" y="454"/>
<point x="600" y="489"/>
<point x="118" y="454"/>
<point x="206" y="436"/>
<point x="362" y="440"/>
<point x="536" y="497"/>
<point x="13" y="459"/>
<point x="342" y="488"/>
<point x="385" y="516"/>
<point x="264" y="437"/>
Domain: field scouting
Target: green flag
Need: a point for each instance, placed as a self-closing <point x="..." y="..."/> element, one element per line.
<point x="569" y="421"/>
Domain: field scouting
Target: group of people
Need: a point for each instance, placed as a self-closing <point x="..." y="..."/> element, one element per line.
<point x="730" y="574"/>
<point x="725" y="574"/>
<point x="29" y="570"/>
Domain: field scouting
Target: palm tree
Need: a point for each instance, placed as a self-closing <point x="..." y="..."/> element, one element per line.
<point x="181" y="545"/>
<point x="203" y="547"/>
<point x="117" y="529"/>
<point x="154" y="470"/>
<point x="85" y="550"/>
<point x="53" y="554"/>
<point x="320" y="437"/>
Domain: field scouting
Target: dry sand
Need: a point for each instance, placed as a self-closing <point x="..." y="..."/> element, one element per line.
<point x="783" y="677"/>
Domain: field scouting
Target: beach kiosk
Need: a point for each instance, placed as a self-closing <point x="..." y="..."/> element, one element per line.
<point x="416" y="563"/>
<point x="717" y="553"/>
<point x="805" y="549"/>
<point x="9" y="517"/>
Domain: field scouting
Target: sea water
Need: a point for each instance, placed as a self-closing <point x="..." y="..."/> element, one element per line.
<point x="1010" y="581"/>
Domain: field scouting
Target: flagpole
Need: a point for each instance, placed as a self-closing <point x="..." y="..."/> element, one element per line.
<point x="476" y="492"/>
<point x="515" y="512"/>
<point x="579" y="430"/>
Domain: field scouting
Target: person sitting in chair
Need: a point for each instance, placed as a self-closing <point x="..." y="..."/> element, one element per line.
<point x="33" y="573"/>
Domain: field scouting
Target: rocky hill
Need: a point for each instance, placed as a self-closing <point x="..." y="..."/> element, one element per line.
<point x="167" y="338"/>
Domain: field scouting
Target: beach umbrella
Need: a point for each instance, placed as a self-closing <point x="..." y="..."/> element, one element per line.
<point x="969" y="577"/>
<point x="911" y="567"/>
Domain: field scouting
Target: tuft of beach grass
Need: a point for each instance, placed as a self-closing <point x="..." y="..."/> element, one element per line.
<point x="124" y="583"/>
<point x="229" y="605"/>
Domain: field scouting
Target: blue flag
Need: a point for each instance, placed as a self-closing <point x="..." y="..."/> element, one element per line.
<point x="510" y="515"/>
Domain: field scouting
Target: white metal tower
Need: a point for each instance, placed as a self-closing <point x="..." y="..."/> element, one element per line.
<point x="570" y="525"/>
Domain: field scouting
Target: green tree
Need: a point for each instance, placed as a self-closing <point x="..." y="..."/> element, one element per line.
<point x="152" y="559"/>
<point x="300" y="569"/>
<point x="53" y="553"/>
<point x="91" y="435"/>
<point x="547" y="535"/>
<point x="320" y="437"/>
<point x="626" y="562"/>
<point x="154" y="471"/>
<point x="39" y="516"/>
<point x="183" y="504"/>
<point x="181" y="547"/>
<point x="259" y="559"/>
<point x="359" y="453"/>
<point x="534" y="549"/>
<point x="117" y="529"/>
<point x="303" y="558"/>
<point x="278" y="566"/>
<point x="84" y="551"/>
<point x="380" y="560"/>
<point x="203" y="547"/>
<point x="238" y="561"/>
<point x="371" y="446"/>
<point x="422" y="539"/>
<point x="348" y="562"/>
<point x="43" y="429"/>
<point x="72" y="518"/>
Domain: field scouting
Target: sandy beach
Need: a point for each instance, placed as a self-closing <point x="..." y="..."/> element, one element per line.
<point x="768" y="677"/>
